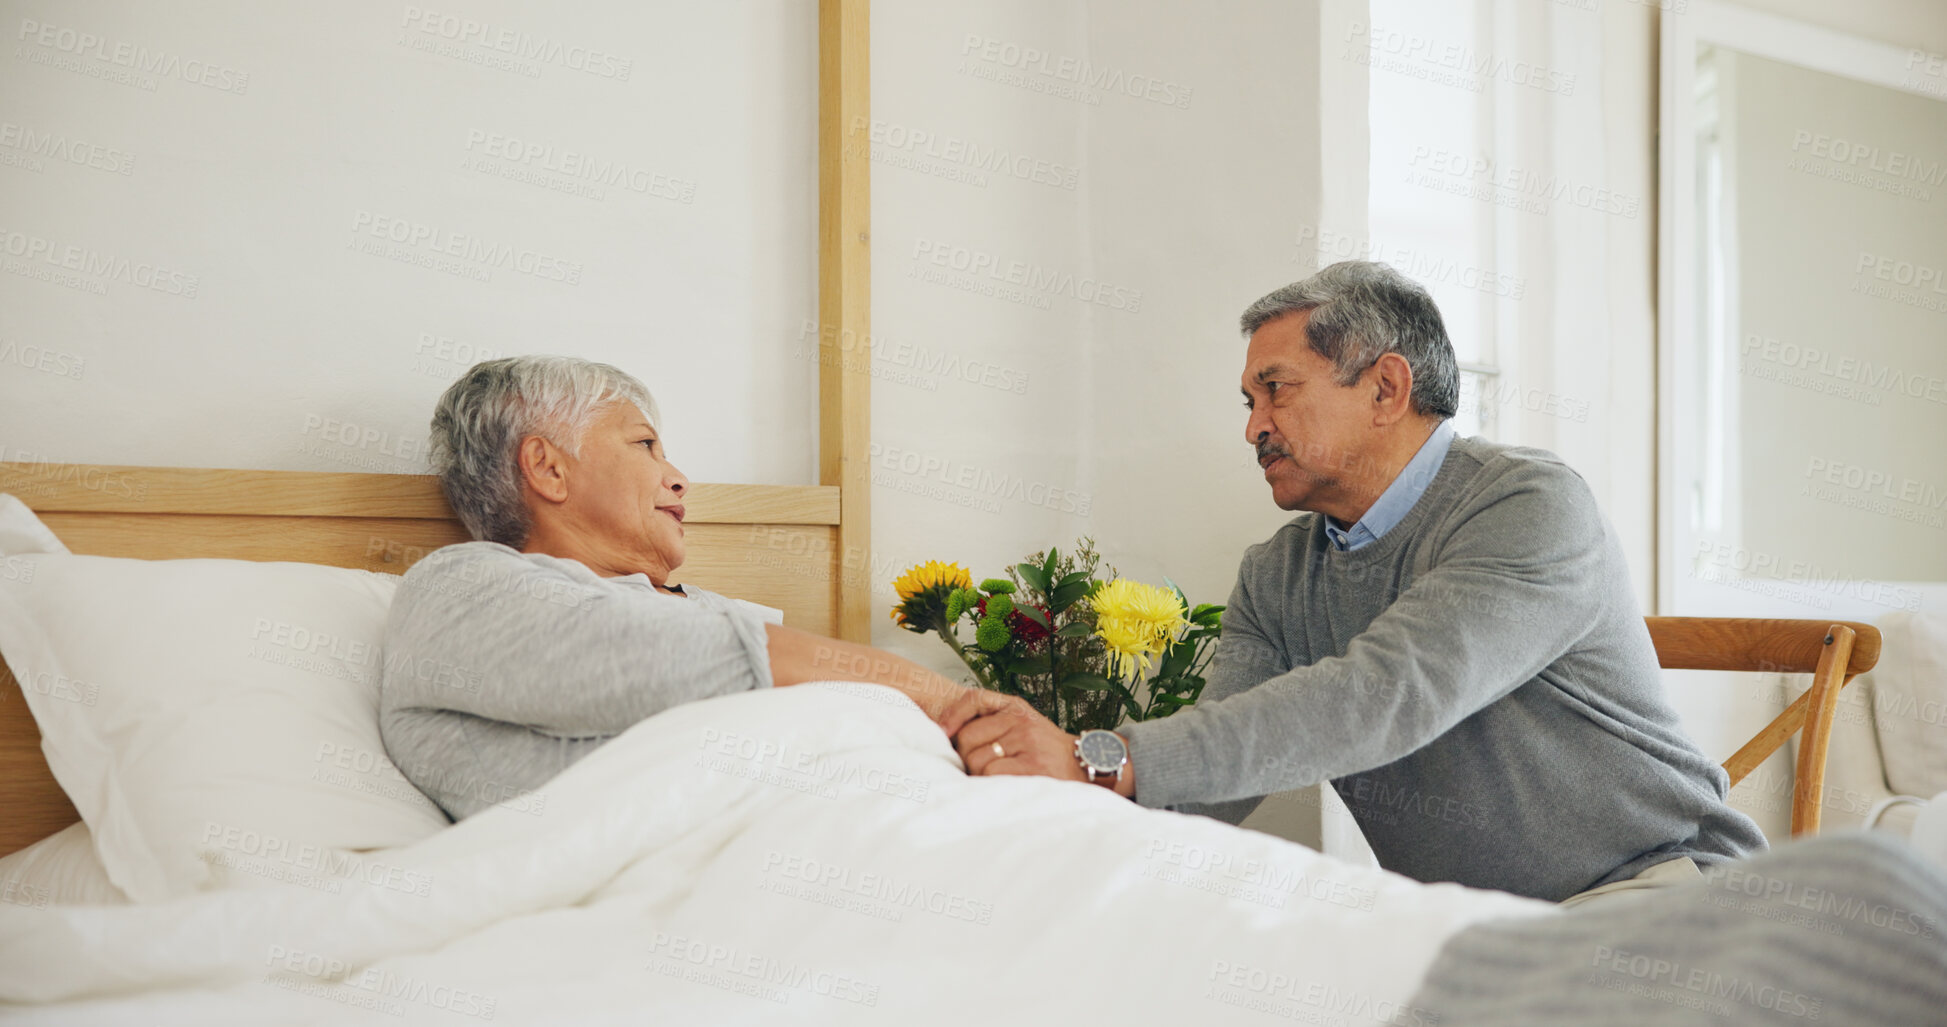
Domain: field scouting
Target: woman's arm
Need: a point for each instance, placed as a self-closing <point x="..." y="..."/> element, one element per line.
<point x="800" y="656"/>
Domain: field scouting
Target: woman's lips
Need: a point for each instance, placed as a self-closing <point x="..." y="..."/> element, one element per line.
<point x="676" y="511"/>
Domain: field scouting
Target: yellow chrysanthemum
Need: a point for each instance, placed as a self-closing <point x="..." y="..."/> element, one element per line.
<point x="1136" y="622"/>
<point x="922" y="593"/>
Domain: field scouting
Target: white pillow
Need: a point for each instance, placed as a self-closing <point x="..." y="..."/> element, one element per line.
<point x="22" y="532"/>
<point x="1910" y="701"/>
<point x="211" y="714"/>
<point x="60" y="869"/>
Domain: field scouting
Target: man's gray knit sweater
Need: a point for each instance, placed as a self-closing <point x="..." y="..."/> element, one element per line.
<point x="1478" y="685"/>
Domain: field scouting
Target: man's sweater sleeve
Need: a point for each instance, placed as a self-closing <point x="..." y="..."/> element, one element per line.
<point x="1511" y="589"/>
<point x="495" y="635"/>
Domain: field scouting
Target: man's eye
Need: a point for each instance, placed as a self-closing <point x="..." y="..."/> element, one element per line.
<point x="1272" y="387"/>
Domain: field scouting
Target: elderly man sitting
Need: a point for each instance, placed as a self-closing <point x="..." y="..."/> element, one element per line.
<point x="563" y="604"/>
<point x="1445" y="632"/>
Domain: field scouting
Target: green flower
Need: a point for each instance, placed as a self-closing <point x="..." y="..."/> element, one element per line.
<point x="992" y="634"/>
<point x="997" y="586"/>
<point x="999" y="606"/>
<point x="959" y="601"/>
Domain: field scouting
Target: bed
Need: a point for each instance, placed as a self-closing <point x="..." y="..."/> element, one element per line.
<point x="808" y="855"/>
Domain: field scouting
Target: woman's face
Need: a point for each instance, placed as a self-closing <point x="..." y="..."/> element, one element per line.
<point x="625" y="499"/>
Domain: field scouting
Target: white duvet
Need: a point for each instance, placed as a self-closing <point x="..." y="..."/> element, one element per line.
<point x="805" y="855"/>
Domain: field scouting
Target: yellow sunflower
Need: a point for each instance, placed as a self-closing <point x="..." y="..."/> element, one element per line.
<point x="1136" y="622"/>
<point x="922" y="593"/>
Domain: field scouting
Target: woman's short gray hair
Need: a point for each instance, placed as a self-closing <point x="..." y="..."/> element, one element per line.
<point x="1361" y="311"/>
<point x="481" y="419"/>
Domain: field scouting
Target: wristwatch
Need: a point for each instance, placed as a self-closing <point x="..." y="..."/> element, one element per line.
<point x="1102" y="755"/>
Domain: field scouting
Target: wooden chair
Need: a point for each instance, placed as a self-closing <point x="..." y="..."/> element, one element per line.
<point x="1832" y="652"/>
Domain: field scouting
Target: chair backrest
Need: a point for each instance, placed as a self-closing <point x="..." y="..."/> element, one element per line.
<point x="1833" y="652"/>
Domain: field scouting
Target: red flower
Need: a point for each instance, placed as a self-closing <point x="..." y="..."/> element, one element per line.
<point x="1028" y="631"/>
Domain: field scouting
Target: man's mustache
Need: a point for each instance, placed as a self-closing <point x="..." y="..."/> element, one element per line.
<point x="1267" y="448"/>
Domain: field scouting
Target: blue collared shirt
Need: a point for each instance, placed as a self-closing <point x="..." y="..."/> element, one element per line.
<point x="1398" y="500"/>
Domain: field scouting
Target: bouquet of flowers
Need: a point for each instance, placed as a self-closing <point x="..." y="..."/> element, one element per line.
<point x="1085" y="652"/>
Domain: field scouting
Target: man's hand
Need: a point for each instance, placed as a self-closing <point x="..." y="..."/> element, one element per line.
<point x="1030" y="744"/>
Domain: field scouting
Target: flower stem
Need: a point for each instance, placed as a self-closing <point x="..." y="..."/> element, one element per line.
<point x="953" y="643"/>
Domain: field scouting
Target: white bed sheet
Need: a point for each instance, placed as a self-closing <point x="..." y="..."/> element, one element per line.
<point x="807" y="855"/>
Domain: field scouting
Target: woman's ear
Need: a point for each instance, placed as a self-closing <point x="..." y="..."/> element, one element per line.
<point x="544" y="468"/>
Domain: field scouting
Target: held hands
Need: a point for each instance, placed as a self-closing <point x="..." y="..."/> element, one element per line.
<point x="1029" y="744"/>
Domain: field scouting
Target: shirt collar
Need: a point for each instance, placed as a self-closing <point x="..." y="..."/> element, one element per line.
<point x="1400" y="497"/>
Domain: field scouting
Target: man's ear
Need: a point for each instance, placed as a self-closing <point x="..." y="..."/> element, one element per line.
<point x="544" y="468"/>
<point x="1391" y="381"/>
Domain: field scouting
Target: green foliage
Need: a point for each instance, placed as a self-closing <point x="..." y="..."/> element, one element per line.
<point x="992" y="635"/>
<point x="1061" y="669"/>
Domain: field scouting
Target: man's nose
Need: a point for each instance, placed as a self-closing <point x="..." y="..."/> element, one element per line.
<point x="1257" y="427"/>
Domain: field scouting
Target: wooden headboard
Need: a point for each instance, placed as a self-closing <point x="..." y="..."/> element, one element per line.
<point x="775" y="545"/>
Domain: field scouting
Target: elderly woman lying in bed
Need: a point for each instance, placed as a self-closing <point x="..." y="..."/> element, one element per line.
<point x="563" y="602"/>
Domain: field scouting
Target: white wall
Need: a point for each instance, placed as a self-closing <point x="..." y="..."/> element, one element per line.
<point x="239" y="280"/>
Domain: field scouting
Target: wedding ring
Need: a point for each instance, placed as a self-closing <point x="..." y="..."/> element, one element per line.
<point x="998" y="751"/>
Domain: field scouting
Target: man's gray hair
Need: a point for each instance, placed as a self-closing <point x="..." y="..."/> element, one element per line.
<point x="1361" y="311"/>
<point x="481" y="419"/>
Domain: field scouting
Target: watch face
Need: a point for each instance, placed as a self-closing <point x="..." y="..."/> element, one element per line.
<point x="1103" y="750"/>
